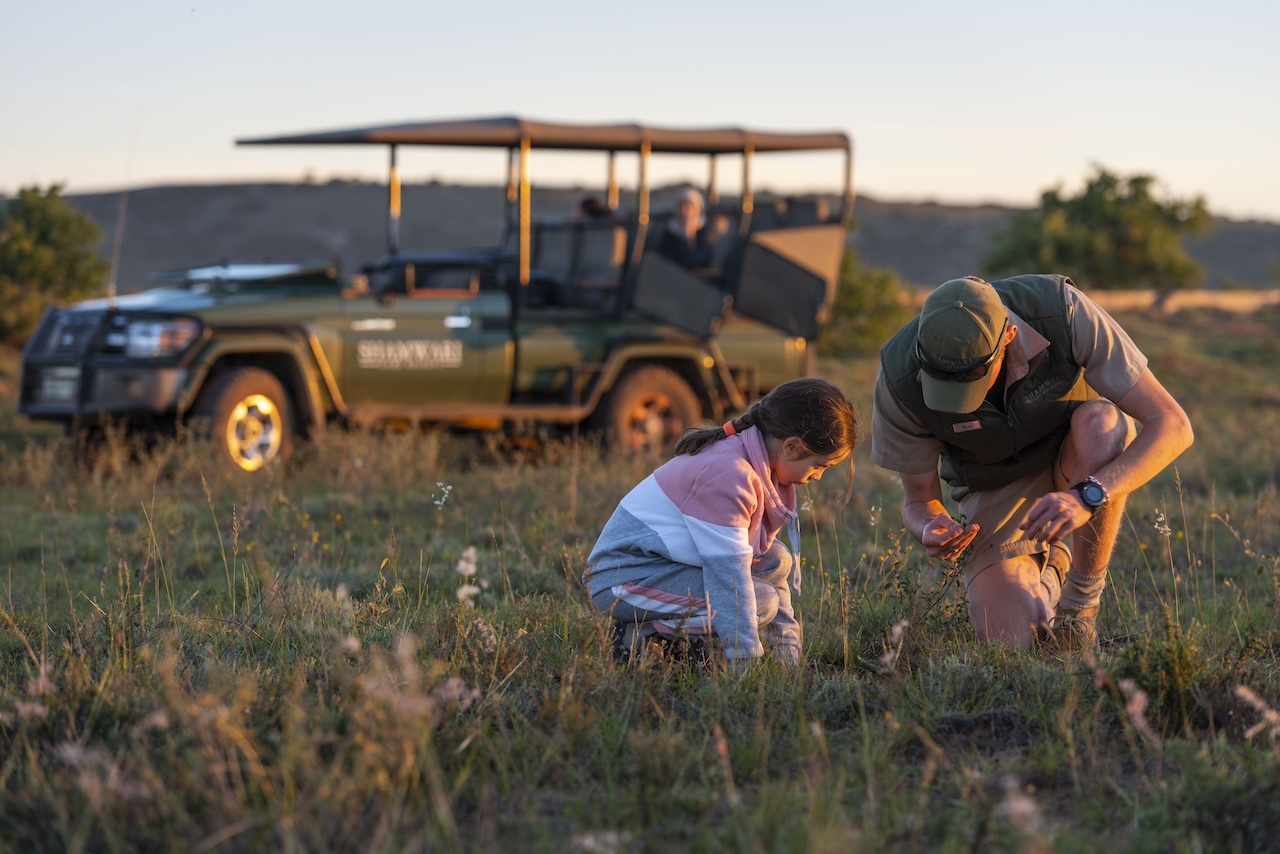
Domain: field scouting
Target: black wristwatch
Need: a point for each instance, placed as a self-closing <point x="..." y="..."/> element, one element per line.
<point x="1091" y="493"/>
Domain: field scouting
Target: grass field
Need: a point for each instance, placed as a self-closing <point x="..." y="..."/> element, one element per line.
<point x="385" y="646"/>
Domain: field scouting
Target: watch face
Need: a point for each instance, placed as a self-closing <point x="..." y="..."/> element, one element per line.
<point x="1093" y="494"/>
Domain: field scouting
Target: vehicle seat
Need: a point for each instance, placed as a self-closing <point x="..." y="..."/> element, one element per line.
<point x="807" y="211"/>
<point x="768" y="214"/>
<point x="597" y="273"/>
<point x="583" y="259"/>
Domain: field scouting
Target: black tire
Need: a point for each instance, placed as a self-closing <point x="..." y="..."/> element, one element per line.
<point x="246" y="414"/>
<point x="648" y="409"/>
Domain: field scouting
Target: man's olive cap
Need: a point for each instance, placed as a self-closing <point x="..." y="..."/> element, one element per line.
<point x="960" y="327"/>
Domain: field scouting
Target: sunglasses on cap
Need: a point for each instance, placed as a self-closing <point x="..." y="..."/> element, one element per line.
<point x="969" y="374"/>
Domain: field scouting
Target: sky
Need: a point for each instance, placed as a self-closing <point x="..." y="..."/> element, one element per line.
<point x="960" y="103"/>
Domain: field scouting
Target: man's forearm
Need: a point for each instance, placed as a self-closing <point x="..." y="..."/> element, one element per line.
<point x="1157" y="445"/>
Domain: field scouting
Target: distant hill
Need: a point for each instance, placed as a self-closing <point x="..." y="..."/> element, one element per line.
<point x="171" y="227"/>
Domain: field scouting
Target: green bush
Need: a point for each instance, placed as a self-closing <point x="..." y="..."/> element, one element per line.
<point x="47" y="256"/>
<point x="1115" y="235"/>
<point x="870" y="307"/>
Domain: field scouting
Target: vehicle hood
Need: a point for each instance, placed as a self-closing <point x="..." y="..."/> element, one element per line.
<point x="198" y="297"/>
<point x="177" y="300"/>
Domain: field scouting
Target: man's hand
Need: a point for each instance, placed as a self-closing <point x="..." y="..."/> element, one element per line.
<point x="945" y="539"/>
<point x="1054" y="516"/>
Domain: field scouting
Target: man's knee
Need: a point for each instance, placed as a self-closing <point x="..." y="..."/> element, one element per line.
<point x="1100" y="432"/>
<point x="1007" y="602"/>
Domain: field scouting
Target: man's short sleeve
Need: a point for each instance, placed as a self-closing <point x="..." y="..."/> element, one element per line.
<point x="1112" y="362"/>
<point x="898" y="441"/>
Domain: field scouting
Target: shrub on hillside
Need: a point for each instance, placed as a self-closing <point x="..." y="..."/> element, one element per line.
<point x="47" y="256"/>
<point x="1115" y="235"/>
<point x="869" y="308"/>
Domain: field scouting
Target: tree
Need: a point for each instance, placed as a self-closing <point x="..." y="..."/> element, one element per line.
<point x="48" y="255"/>
<point x="1114" y="235"/>
<point x="869" y="308"/>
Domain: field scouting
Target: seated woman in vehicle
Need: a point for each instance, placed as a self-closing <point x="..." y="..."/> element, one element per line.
<point x="686" y="240"/>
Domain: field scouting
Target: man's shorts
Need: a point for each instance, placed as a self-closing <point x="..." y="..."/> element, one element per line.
<point x="998" y="513"/>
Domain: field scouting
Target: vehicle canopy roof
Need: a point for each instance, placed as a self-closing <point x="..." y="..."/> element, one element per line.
<point x="511" y="131"/>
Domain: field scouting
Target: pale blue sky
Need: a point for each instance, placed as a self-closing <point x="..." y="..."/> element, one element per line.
<point x="955" y="102"/>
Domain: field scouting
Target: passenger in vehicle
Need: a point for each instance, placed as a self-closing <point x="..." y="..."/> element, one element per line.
<point x="592" y="208"/>
<point x="693" y="550"/>
<point x="686" y="240"/>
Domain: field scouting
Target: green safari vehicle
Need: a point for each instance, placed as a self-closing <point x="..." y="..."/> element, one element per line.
<point x="565" y="322"/>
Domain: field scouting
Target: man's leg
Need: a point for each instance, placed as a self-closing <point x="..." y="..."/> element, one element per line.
<point x="1099" y="433"/>
<point x="1011" y="594"/>
<point x="1008" y="601"/>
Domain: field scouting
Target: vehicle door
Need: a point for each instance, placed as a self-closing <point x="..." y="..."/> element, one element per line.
<point x="786" y="277"/>
<point x="440" y="336"/>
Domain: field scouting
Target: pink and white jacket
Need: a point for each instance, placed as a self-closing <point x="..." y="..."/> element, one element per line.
<point x="717" y="510"/>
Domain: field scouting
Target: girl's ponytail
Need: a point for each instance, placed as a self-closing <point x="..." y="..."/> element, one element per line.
<point x="696" y="438"/>
<point x="813" y="410"/>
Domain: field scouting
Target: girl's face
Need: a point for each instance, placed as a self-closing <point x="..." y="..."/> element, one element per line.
<point x="792" y="465"/>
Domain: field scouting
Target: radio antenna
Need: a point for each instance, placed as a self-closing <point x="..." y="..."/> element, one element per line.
<point x="115" y="249"/>
<point x="118" y="241"/>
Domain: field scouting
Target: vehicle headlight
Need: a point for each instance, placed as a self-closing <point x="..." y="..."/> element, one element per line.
<point x="152" y="339"/>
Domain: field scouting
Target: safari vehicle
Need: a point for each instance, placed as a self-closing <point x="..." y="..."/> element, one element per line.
<point x="570" y="322"/>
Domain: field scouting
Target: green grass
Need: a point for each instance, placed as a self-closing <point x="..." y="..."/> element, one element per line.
<point x="195" y="660"/>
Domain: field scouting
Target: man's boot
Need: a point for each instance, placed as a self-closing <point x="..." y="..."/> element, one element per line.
<point x="1075" y="620"/>
<point x="1054" y="575"/>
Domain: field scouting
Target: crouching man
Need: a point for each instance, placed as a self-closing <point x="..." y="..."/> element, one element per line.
<point x="1022" y="394"/>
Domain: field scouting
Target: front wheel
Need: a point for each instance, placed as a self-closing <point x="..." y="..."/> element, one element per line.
<point x="245" y="413"/>
<point x="648" y="409"/>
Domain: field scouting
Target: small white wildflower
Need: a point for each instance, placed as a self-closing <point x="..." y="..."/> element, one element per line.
<point x="72" y="754"/>
<point x="467" y="593"/>
<point x="454" y="690"/>
<point x="894" y="646"/>
<point x="1270" y="717"/>
<point x="30" y="710"/>
<point x="445" y="489"/>
<point x="42" y="684"/>
<point x="1162" y="524"/>
<point x="1020" y="810"/>
<point x="1136" y="708"/>
<point x="488" y="637"/>
<point x="157" y="720"/>
<point x="466" y="565"/>
<point x="350" y="645"/>
<point x="898" y="628"/>
<point x="875" y="514"/>
<point x="601" y="842"/>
